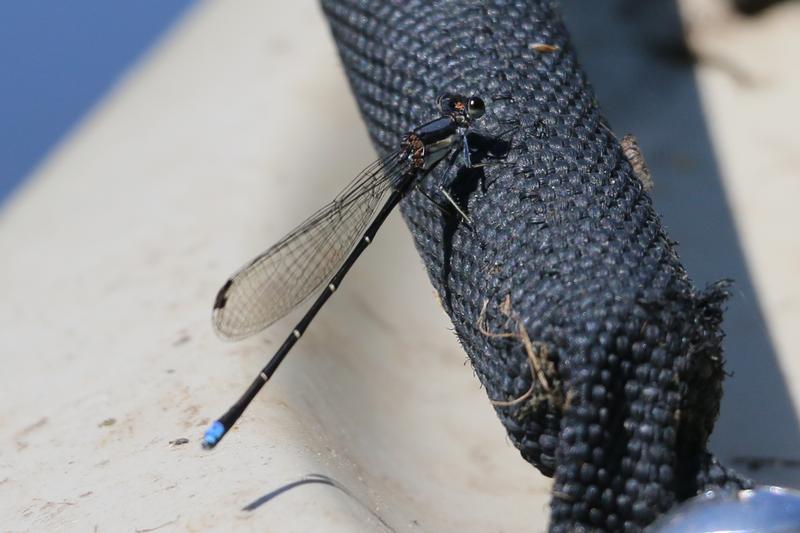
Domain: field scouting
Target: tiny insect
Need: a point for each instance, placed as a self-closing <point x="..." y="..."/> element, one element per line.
<point x="632" y="152"/>
<point x="271" y="285"/>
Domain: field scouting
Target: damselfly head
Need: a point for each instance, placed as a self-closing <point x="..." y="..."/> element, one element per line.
<point x="466" y="108"/>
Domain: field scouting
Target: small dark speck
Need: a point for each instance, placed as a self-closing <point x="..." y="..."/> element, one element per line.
<point x="107" y="422"/>
<point x="675" y="52"/>
<point x="179" y="442"/>
<point x="36" y="425"/>
<point x="183" y="339"/>
<point x="85" y="494"/>
<point x="754" y="7"/>
<point x="170" y="371"/>
<point x="415" y="523"/>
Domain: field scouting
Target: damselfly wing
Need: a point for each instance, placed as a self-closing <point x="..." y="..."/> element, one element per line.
<point x="278" y="280"/>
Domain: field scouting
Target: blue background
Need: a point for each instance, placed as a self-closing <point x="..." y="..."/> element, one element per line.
<point x="59" y="58"/>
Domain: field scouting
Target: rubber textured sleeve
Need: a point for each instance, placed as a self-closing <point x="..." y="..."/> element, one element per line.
<point x="603" y="361"/>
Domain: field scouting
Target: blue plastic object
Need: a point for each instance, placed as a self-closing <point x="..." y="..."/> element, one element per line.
<point x="766" y="509"/>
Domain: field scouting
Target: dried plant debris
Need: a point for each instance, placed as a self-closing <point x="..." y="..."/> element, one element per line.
<point x="543" y="48"/>
<point x="542" y="368"/>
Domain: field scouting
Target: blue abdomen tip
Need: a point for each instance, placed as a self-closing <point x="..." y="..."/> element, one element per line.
<point x="213" y="434"/>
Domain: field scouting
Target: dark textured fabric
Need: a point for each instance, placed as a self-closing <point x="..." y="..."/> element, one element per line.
<point x="563" y="240"/>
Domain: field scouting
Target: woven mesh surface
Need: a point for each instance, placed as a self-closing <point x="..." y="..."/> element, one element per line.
<point x="613" y="381"/>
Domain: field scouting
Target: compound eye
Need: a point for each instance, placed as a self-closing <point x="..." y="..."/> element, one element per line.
<point x="475" y="108"/>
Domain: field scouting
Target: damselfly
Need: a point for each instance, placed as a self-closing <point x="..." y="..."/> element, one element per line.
<point x="275" y="282"/>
